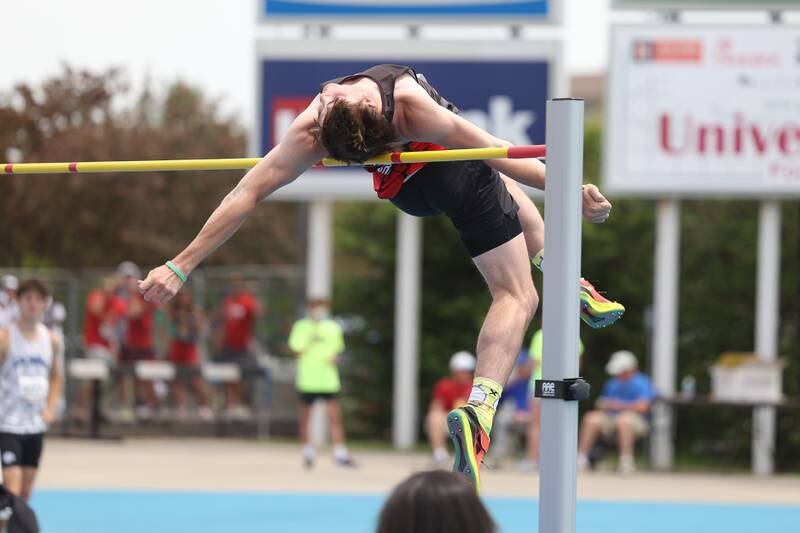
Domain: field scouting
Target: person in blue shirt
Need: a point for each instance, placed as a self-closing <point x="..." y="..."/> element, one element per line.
<point x="622" y="410"/>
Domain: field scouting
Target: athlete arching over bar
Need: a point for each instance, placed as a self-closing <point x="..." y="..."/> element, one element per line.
<point x="391" y="107"/>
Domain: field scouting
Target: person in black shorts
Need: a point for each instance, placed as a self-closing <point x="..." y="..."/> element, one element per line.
<point x="30" y="388"/>
<point x="394" y="108"/>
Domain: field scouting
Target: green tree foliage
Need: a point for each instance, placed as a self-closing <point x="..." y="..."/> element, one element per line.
<point x="717" y="299"/>
<point x="100" y="219"/>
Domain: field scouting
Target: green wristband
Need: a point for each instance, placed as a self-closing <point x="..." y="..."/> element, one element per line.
<point x="177" y="270"/>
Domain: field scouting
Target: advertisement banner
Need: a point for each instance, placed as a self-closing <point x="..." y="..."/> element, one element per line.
<point x="383" y="9"/>
<point x="504" y="96"/>
<point x="703" y="111"/>
<point x="503" y="90"/>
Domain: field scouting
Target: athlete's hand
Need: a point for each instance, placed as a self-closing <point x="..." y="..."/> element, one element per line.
<point x="160" y="285"/>
<point x="596" y="208"/>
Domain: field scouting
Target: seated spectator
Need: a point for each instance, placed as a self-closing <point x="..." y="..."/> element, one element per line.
<point x="240" y="310"/>
<point x="434" y="502"/>
<point x="186" y="326"/>
<point x="448" y="393"/>
<point x="103" y="310"/>
<point x="531" y="462"/>
<point x="137" y="344"/>
<point x="622" y="410"/>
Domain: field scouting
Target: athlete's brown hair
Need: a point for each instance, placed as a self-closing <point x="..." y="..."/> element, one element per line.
<point x="354" y="132"/>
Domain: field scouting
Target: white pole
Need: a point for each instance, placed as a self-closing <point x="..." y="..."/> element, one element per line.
<point x="318" y="285"/>
<point x="767" y="308"/>
<point x="320" y="249"/>
<point x="665" y="327"/>
<point x="406" y="330"/>
<point x="563" y="198"/>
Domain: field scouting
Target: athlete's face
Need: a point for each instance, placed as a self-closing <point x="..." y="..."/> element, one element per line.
<point x="31" y="305"/>
<point x="352" y="94"/>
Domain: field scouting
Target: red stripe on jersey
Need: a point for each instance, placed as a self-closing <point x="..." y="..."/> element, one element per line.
<point x="387" y="180"/>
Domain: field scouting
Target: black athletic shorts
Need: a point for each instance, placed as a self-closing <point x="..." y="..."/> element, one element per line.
<point x="471" y="194"/>
<point x="308" y="398"/>
<point x="21" y="450"/>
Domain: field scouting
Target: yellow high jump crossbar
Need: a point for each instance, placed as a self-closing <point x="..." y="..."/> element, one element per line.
<point x="158" y="165"/>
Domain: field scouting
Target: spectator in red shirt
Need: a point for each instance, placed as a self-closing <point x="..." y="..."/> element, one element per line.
<point x="239" y="312"/>
<point x="448" y="393"/>
<point x="187" y="324"/>
<point x="137" y="342"/>
<point x="103" y="310"/>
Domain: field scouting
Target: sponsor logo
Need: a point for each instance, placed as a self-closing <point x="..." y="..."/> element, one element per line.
<point x="501" y="120"/>
<point x="726" y="53"/>
<point x="668" y="51"/>
<point x="739" y="135"/>
<point x="548" y="388"/>
<point x="284" y="110"/>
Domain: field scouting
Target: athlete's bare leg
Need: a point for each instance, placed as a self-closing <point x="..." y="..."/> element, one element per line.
<point x="507" y="271"/>
<point x="529" y="217"/>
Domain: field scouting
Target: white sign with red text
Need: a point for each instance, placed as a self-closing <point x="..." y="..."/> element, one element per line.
<point x="703" y="111"/>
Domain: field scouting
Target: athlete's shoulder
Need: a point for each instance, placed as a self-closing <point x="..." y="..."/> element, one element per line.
<point x="408" y="90"/>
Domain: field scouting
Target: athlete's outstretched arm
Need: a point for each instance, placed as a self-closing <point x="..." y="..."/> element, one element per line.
<point x="283" y="164"/>
<point x="418" y="117"/>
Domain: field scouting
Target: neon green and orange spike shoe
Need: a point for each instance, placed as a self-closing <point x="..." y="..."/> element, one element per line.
<point x="596" y="310"/>
<point x="470" y="442"/>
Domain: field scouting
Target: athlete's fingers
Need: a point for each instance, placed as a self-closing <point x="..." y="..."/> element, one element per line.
<point x="153" y="292"/>
<point x="145" y="284"/>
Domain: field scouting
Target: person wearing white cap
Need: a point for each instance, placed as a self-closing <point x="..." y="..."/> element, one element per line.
<point x="448" y="393"/>
<point x="622" y="410"/>
<point x="8" y="300"/>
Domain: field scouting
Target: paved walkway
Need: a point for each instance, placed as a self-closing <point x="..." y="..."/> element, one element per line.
<point x="233" y="465"/>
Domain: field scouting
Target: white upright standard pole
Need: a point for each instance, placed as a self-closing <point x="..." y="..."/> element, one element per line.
<point x="318" y="285"/>
<point x="406" y="330"/>
<point x="320" y="249"/>
<point x="665" y="327"/>
<point x="767" y="307"/>
<point x="563" y="202"/>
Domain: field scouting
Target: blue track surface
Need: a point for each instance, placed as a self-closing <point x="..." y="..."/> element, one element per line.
<point x="245" y="512"/>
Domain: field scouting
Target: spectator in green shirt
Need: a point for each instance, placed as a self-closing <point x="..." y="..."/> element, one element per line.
<point x="535" y="352"/>
<point x="317" y="341"/>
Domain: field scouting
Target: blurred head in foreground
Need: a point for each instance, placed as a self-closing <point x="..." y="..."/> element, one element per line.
<point x="434" y="502"/>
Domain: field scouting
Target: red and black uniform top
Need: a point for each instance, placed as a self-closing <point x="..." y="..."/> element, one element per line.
<point x="388" y="179"/>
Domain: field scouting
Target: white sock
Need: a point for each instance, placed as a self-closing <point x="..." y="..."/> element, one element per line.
<point x="340" y="452"/>
<point x="308" y="451"/>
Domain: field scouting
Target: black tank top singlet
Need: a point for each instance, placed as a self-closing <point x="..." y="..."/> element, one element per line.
<point x="389" y="179"/>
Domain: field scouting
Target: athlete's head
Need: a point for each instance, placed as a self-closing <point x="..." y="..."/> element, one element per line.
<point x="353" y="130"/>
<point x="32" y="296"/>
<point x="432" y="502"/>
